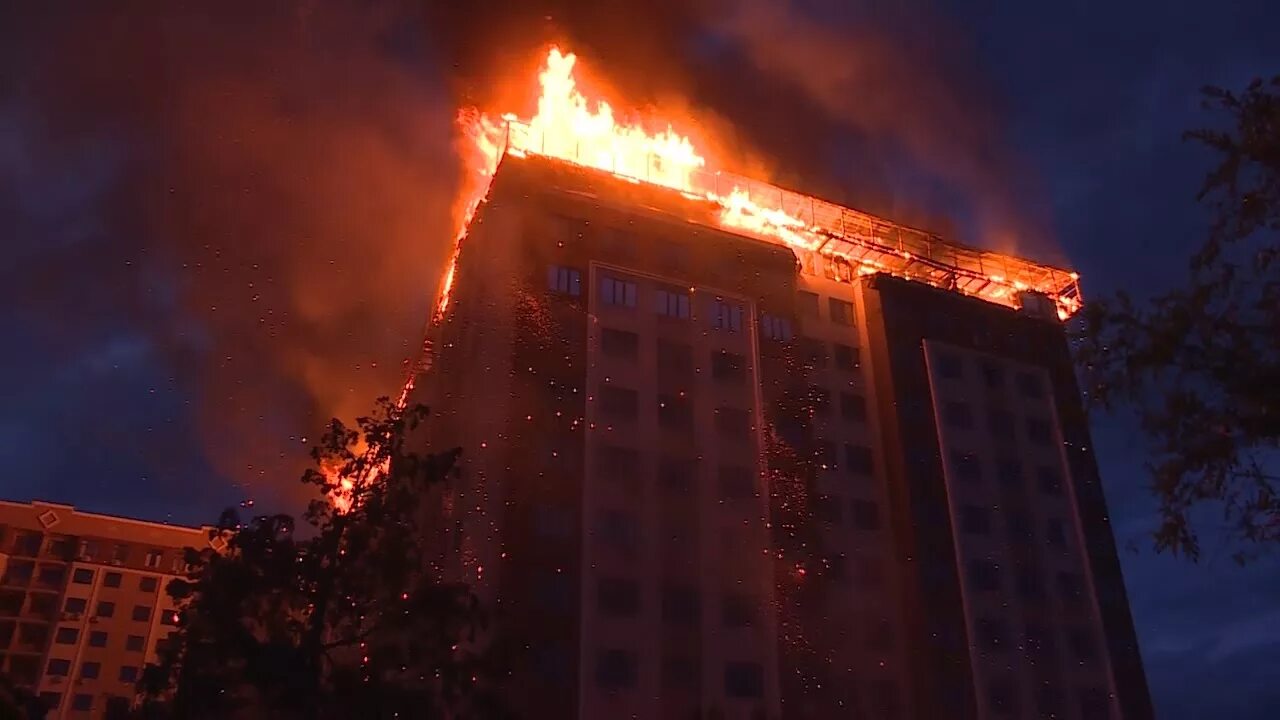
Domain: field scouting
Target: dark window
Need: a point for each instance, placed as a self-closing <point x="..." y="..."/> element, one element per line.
<point x="670" y="302"/>
<point x="133" y="643"/>
<point x="828" y="509"/>
<point x="106" y="609"/>
<point x="620" y="530"/>
<point x="1083" y="647"/>
<point x="992" y="375"/>
<point x="1095" y="704"/>
<point x="619" y="402"/>
<point x="726" y="315"/>
<point x="1030" y="585"/>
<point x="128" y="673"/>
<point x="552" y="521"/>
<point x="1000" y="424"/>
<point x="975" y="520"/>
<point x="846" y="358"/>
<point x="1037" y="640"/>
<point x="1029" y="385"/>
<point x="813" y="353"/>
<point x="619" y="466"/>
<point x="824" y="453"/>
<point x="853" y="407"/>
<point x="111" y="580"/>
<point x="615" y="669"/>
<point x="738" y="610"/>
<point x="52" y="576"/>
<point x="50" y="700"/>
<point x="97" y="638"/>
<point x="1009" y="473"/>
<point x="728" y="366"/>
<point x="736" y="482"/>
<point x="1038" y="431"/>
<point x="90" y="670"/>
<point x="837" y="567"/>
<point x="866" y="515"/>
<point x="82" y="576"/>
<point x="66" y="636"/>
<point x="1056" y="533"/>
<point x="984" y="575"/>
<point x="148" y="584"/>
<point x="1070" y="587"/>
<point x="675" y="359"/>
<point x="967" y="466"/>
<point x="141" y="613"/>
<point x="564" y="280"/>
<point x="169" y="617"/>
<point x="680" y="671"/>
<point x="680" y="604"/>
<point x="1000" y="699"/>
<point x="676" y="475"/>
<point x="857" y="459"/>
<point x="868" y="572"/>
<point x="75" y="605"/>
<point x="957" y="414"/>
<point x="674" y="412"/>
<point x="28" y="543"/>
<point x="619" y="343"/>
<point x="617" y="292"/>
<point x="82" y="701"/>
<point x="733" y="421"/>
<point x="552" y="592"/>
<point x="950" y="366"/>
<point x="990" y="633"/>
<point x="807" y="303"/>
<point x="1049" y="480"/>
<point x="841" y="311"/>
<point x="775" y="327"/>
<point x="58" y="667"/>
<point x="743" y="680"/>
<point x="618" y="597"/>
<point x="1018" y="526"/>
<point x="819" y="400"/>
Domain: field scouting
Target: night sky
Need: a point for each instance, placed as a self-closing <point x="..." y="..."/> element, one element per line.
<point x="222" y="227"/>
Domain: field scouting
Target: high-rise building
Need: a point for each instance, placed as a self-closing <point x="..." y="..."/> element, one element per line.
<point x="710" y="475"/>
<point x="83" y="606"/>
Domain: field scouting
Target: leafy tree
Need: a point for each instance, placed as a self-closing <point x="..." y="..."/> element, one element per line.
<point x="1201" y="364"/>
<point x="348" y="622"/>
<point x="18" y="702"/>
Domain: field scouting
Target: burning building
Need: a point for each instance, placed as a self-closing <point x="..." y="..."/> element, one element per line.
<point x="731" y="451"/>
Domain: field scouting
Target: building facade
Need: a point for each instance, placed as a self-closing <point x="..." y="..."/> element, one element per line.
<point x="83" y="606"/>
<point x="706" y="475"/>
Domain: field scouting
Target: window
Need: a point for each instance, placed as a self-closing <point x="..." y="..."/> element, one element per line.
<point x="1049" y="480"/>
<point x="58" y="667"/>
<point x="619" y="530"/>
<point x="670" y="302"/>
<point x="680" y="671"/>
<point x="813" y="353"/>
<point x="675" y="361"/>
<point x="1095" y="704"/>
<point x="66" y="636"/>
<point x="868" y="571"/>
<point x="857" y="459"/>
<point x="564" y="280"/>
<point x="846" y="358"/>
<point x="615" y="669"/>
<point x="775" y="327"/>
<point x="966" y="466"/>
<point x="807" y="303"/>
<point x="75" y="605"/>
<point x="1083" y="647"/>
<point x="133" y="643"/>
<point x="819" y="401"/>
<point x="82" y="576"/>
<point x="866" y="515"/>
<point x="52" y="576"/>
<point x="551" y="593"/>
<point x="1009" y="473"/>
<point x="828" y="509"/>
<point x="736" y="482"/>
<point x="128" y="673"/>
<point x="853" y="407"/>
<point x="619" y="402"/>
<point x="552" y="521"/>
<point x="992" y="375"/>
<point x="1000" y="698"/>
<point x="619" y="343"/>
<point x="674" y="412"/>
<point x="841" y="311"/>
<point x="728" y="366"/>
<point x="153" y="558"/>
<point x="1000" y="424"/>
<point x="90" y="670"/>
<point x="983" y="575"/>
<point x="1029" y="385"/>
<point x="28" y="543"/>
<point x="975" y="520"/>
<point x="1039" y="432"/>
<point x="141" y="613"/>
<point x="618" y="597"/>
<point x="957" y="414"/>
<point x="617" y="292"/>
<point x="950" y="366"/>
<point x="680" y="604"/>
<point x="1029" y="584"/>
<point x="990" y="633"/>
<point x="726" y="315"/>
<point x="97" y="638"/>
<point x="148" y="584"/>
<point x="82" y="701"/>
<point x="1018" y="526"/>
<point x="1070" y="587"/>
<point x="738" y="610"/>
<point x="676" y="475"/>
<point x="1056" y="533"/>
<point x="743" y="680"/>
<point x="169" y="617"/>
<point x="734" y="422"/>
<point x="111" y="580"/>
<point x="50" y="700"/>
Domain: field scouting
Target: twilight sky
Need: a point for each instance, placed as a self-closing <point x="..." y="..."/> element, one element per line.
<point x="222" y="227"/>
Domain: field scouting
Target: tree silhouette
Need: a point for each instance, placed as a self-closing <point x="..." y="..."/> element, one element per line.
<point x="1201" y="364"/>
<point x="348" y="622"/>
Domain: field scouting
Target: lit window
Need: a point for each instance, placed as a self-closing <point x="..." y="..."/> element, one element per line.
<point x="153" y="558"/>
<point x="841" y="311"/>
<point x="672" y="303"/>
<point x="617" y="292"/>
<point x="564" y="280"/>
<point x="775" y="327"/>
<point x="726" y="315"/>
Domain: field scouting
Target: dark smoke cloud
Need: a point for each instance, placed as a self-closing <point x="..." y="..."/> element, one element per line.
<point x="228" y="219"/>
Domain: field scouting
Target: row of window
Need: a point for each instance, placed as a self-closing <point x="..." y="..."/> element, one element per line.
<point x="974" y="520"/>
<point x="863" y="514"/>
<point x="680" y="604"/>
<point x="843" y="357"/>
<point x="1093" y="702"/>
<point x="29" y="544"/>
<point x="839" y="311"/>
<point x="958" y="415"/>
<point x="106" y="609"/>
<point x="674" y="411"/>
<point x="952" y="366"/>
<point x="617" y="669"/>
<point x="89" y="670"/>
<point x="987" y="576"/>
<point x="853" y="407"/>
<point x="857" y="458"/>
<point x="968" y="468"/>
<point x="112" y="579"/>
